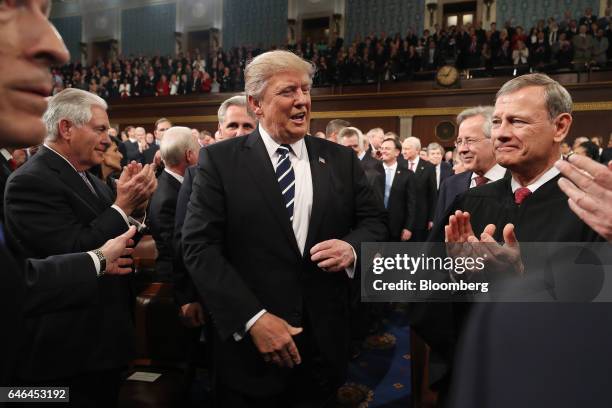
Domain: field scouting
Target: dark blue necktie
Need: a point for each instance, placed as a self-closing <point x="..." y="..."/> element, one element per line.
<point x="286" y="178"/>
<point x="2" y="240"/>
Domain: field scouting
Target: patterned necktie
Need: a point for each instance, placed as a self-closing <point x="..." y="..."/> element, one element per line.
<point x="521" y="194"/>
<point x="86" y="180"/>
<point x="286" y="178"/>
<point x="480" y="180"/>
<point x="388" y="182"/>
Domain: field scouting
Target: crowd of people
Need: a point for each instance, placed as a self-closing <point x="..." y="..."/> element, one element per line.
<point x="260" y="228"/>
<point x="571" y="43"/>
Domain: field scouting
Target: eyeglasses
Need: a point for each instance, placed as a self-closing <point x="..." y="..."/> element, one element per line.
<point x="467" y="141"/>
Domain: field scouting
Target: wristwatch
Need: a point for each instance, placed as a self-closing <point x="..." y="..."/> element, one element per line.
<point x="102" y="260"/>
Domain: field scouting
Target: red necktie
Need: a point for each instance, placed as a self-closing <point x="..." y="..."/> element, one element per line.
<point x="12" y="164"/>
<point x="521" y="194"/>
<point x="480" y="180"/>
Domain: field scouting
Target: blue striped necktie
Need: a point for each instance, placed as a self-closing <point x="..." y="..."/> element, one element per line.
<point x="286" y="178"/>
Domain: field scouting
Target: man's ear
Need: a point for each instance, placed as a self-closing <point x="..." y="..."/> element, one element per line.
<point x="563" y="122"/>
<point x="254" y="105"/>
<point x="65" y="128"/>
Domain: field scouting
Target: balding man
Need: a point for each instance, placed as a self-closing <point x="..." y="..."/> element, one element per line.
<point x="178" y="150"/>
<point x="425" y="188"/>
<point x="375" y="138"/>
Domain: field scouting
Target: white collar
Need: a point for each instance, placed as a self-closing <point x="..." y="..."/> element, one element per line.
<point x="59" y="154"/>
<point x="544" y="178"/>
<point x="175" y="175"/>
<point x="392" y="167"/>
<point x="495" y="173"/>
<point x="6" y="154"/>
<point x="272" y="146"/>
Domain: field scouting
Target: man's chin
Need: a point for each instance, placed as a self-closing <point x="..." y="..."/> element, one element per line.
<point x="21" y="132"/>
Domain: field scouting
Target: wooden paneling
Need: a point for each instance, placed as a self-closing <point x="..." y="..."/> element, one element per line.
<point x="363" y="124"/>
<point x="368" y="106"/>
<point x="424" y="127"/>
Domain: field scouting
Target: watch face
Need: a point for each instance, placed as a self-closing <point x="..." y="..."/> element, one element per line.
<point x="447" y="75"/>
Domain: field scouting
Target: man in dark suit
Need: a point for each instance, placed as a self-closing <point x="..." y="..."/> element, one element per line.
<point x="234" y="120"/>
<point x="55" y="284"/>
<point x="475" y="149"/>
<point x="375" y="138"/>
<point x="53" y="206"/>
<point x="279" y="308"/>
<point x="532" y="116"/>
<point x="353" y="138"/>
<point x="425" y="188"/>
<point x="435" y="154"/>
<point x="395" y="187"/>
<point x="133" y="146"/>
<point x="179" y="150"/>
<point x="6" y="168"/>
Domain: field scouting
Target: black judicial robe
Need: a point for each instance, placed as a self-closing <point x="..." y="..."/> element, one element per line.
<point x="544" y="216"/>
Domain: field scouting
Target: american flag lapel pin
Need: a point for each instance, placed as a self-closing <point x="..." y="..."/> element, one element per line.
<point x="321" y="160"/>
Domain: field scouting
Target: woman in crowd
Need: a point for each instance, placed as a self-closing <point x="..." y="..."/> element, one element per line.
<point x="111" y="164"/>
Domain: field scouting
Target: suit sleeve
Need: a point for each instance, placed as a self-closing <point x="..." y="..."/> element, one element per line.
<point x="370" y="215"/>
<point x="442" y="203"/>
<point x="410" y="202"/>
<point x="44" y="222"/>
<point x="227" y="298"/>
<point x="432" y="194"/>
<point x="184" y="289"/>
<point x="59" y="282"/>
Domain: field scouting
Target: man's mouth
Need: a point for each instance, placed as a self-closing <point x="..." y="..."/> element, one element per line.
<point x="299" y="118"/>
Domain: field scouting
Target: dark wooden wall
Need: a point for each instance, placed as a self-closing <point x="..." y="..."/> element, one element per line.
<point x="371" y="106"/>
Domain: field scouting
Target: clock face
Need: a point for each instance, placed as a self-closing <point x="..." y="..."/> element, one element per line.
<point x="447" y="75"/>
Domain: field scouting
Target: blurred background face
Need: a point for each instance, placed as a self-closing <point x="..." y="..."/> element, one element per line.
<point x="352" y="142"/>
<point x="388" y="152"/>
<point x="475" y="150"/>
<point x="149" y="138"/>
<point x="435" y="156"/>
<point x="112" y="157"/>
<point x="237" y="122"/>
<point x="29" y="45"/>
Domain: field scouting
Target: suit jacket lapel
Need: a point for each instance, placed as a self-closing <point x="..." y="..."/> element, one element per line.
<point x="320" y="173"/>
<point x="263" y="175"/>
<point x="72" y="179"/>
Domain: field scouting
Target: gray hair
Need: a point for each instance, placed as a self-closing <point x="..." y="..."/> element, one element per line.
<point x="350" y="132"/>
<point x="435" y="146"/>
<point x="413" y="141"/>
<point x="485" y="111"/>
<point x="557" y="99"/>
<point x="177" y="140"/>
<point x="261" y="68"/>
<point x="335" y="125"/>
<point x="72" y="104"/>
<point x="238" y="100"/>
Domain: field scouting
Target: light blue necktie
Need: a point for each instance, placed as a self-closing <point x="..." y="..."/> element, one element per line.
<point x="388" y="182"/>
<point x="286" y="178"/>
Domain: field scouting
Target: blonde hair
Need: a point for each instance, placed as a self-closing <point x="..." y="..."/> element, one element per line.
<point x="261" y="68"/>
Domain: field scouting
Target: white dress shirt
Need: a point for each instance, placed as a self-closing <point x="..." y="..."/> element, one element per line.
<point x="495" y="173"/>
<point x="415" y="163"/>
<point x="302" y="206"/>
<point x="544" y="178"/>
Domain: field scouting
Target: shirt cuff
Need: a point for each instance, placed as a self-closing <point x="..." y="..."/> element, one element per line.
<point x="96" y="262"/>
<point x="123" y="215"/>
<point x="248" y="325"/>
<point x="350" y="271"/>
